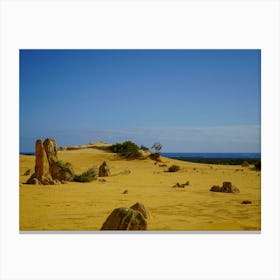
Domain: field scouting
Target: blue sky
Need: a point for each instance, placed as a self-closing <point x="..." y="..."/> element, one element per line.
<point x="189" y="100"/>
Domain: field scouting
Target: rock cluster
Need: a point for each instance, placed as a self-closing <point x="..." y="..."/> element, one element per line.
<point x="48" y="170"/>
<point x="133" y="218"/>
<point x="226" y="188"/>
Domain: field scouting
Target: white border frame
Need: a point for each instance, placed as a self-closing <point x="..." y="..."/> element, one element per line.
<point x="139" y="24"/>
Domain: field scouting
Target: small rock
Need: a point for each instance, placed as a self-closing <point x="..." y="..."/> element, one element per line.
<point x="27" y="172"/>
<point x="226" y="188"/>
<point x="229" y="188"/>
<point x="32" y="181"/>
<point x="102" y="180"/>
<point x="178" y="185"/>
<point x="215" y="189"/>
<point x="125" y="172"/>
<point x="246" y="202"/>
<point x="104" y="170"/>
<point x="125" y="192"/>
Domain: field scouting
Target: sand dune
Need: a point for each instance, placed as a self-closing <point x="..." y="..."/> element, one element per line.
<point x="85" y="206"/>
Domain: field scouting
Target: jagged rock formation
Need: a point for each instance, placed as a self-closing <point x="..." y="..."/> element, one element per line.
<point x="133" y="218"/>
<point x="138" y="206"/>
<point x="42" y="168"/>
<point x="51" y="149"/>
<point x="125" y="219"/>
<point x="48" y="170"/>
<point x="104" y="170"/>
<point x="226" y="188"/>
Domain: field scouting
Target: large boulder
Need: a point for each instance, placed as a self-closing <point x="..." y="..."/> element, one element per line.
<point x="104" y="170"/>
<point x="125" y="219"/>
<point x="138" y="206"/>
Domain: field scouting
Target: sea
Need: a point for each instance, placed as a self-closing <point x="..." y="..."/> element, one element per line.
<point x="216" y="158"/>
<point x="213" y="155"/>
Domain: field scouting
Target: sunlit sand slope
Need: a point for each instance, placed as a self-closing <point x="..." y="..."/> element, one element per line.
<point x="85" y="206"/>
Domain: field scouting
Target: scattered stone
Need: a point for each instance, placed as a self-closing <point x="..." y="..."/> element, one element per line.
<point x="246" y="202"/>
<point x="104" y="170"/>
<point x="163" y="165"/>
<point x="178" y="185"/>
<point x="102" y="180"/>
<point x="125" y="219"/>
<point x="125" y="172"/>
<point x="32" y="181"/>
<point x="125" y="192"/>
<point x="215" y="189"/>
<point x="226" y="188"/>
<point x="229" y="188"/>
<point x="138" y="206"/>
<point x="27" y="172"/>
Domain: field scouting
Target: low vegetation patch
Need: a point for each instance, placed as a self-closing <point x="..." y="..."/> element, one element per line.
<point x="144" y="148"/>
<point x="174" y="168"/>
<point x="86" y="176"/>
<point x="63" y="164"/>
<point x="126" y="149"/>
<point x="258" y="165"/>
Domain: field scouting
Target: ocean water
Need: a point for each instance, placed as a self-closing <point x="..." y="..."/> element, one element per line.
<point x="213" y="155"/>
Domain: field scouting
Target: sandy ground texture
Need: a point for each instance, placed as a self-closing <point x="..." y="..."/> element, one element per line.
<point x="85" y="206"/>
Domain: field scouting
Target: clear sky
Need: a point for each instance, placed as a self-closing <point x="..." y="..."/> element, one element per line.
<point x="189" y="100"/>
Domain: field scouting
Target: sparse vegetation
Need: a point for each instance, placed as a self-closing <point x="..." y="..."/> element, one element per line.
<point x="157" y="147"/>
<point x="144" y="148"/>
<point x="174" y="168"/>
<point x="63" y="164"/>
<point x="126" y="149"/>
<point x="86" y="176"/>
<point x="258" y="165"/>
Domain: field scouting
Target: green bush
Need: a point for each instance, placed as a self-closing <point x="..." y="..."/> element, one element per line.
<point x="86" y="176"/>
<point x="126" y="149"/>
<point x="174" y="168"/>
<point x="63" y="164"/>
<point x="144" y="148"/>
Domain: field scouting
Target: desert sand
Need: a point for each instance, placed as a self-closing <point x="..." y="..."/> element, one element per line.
<point x="85" y="206"/>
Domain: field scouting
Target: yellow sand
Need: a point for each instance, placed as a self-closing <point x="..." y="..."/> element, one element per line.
<point x="85" y="206"/>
